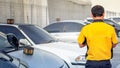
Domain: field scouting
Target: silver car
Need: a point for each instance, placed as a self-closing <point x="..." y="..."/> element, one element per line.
<point x="39" y="59"/>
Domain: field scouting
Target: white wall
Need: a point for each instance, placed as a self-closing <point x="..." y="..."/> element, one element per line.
<point x="67" y="9"/>
<point x="111" y="6"/>
<point x="35" y="12"/>
<point x="24" y="11"/>
<point x="40" y="12"/>
<point x="11" y="9"/>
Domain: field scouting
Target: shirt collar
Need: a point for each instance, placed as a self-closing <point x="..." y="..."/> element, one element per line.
<point x="99" y="20"/>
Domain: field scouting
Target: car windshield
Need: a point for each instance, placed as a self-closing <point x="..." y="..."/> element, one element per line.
<point x="116" y="19"/>
<point x="36" y="34"/>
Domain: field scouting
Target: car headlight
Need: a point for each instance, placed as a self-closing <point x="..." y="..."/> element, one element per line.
<point x="80" y="60"/>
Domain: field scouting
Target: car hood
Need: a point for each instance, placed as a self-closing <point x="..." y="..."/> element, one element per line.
<point x="40" y="59"/>
<point x="64" y="50"/>
<point x="66" y="36"/>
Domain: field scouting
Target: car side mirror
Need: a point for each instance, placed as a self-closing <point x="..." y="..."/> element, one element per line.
<point x="12" y="39"/>
<point x="24" y="42"/>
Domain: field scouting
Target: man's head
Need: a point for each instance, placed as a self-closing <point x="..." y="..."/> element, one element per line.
<point x="97" y="11"/>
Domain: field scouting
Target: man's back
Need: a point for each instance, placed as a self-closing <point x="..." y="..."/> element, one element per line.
<point x="99" y="37"/>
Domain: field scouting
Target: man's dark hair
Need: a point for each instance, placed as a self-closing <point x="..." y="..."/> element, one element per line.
<point x="97" y="10"/>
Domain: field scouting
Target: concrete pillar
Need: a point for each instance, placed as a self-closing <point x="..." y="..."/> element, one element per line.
<point x="35" y="12"/>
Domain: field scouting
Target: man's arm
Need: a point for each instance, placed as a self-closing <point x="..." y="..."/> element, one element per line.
<point x="83" y="44"/>
<point x="114" y="39"/>
<point x="82" y="39"/>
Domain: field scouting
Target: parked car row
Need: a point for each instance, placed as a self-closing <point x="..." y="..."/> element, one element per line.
<point x="38" y="38"/>
<point x="69" y="30"/>
<point x="56" y="49"/>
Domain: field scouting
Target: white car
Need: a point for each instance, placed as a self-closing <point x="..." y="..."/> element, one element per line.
<point x="26" y="56"/>
<point x="67" y="30"/>
<point x="39" y="38"/>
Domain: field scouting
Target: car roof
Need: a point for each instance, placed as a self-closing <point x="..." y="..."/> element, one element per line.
<point x="15" y="25"/>
<point x="72" y="21"/>
<point x="77" y="21"/>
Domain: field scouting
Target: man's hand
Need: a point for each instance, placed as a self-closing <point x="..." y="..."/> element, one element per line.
<point x="82" y="45"/>
<point x="114" y="45"/>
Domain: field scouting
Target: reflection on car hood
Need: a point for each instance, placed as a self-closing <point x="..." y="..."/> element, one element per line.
<point x="40" y="59"/>
<point x="68" y="50"/>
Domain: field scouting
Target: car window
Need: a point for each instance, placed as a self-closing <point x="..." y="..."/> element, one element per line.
<point x="72" y="27"/>
<point x="36" y="34"/>
<point x="64" y="27"/>
<point x="3" y="42"/>
<point x="55" y="27"/>
<point x="11" y="29"/>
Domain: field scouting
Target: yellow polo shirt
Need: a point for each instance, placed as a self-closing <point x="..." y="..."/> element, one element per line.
<point x="100" y="38"/>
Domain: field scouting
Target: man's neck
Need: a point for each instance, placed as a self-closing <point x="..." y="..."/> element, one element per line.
<point x="98" y="18"/>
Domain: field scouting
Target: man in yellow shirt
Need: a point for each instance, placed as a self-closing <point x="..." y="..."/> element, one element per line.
<point x="100" y="38"/>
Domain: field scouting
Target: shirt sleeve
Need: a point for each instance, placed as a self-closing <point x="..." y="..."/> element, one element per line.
<point x="114" y="37"/>
<point x="81" y="37"/>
